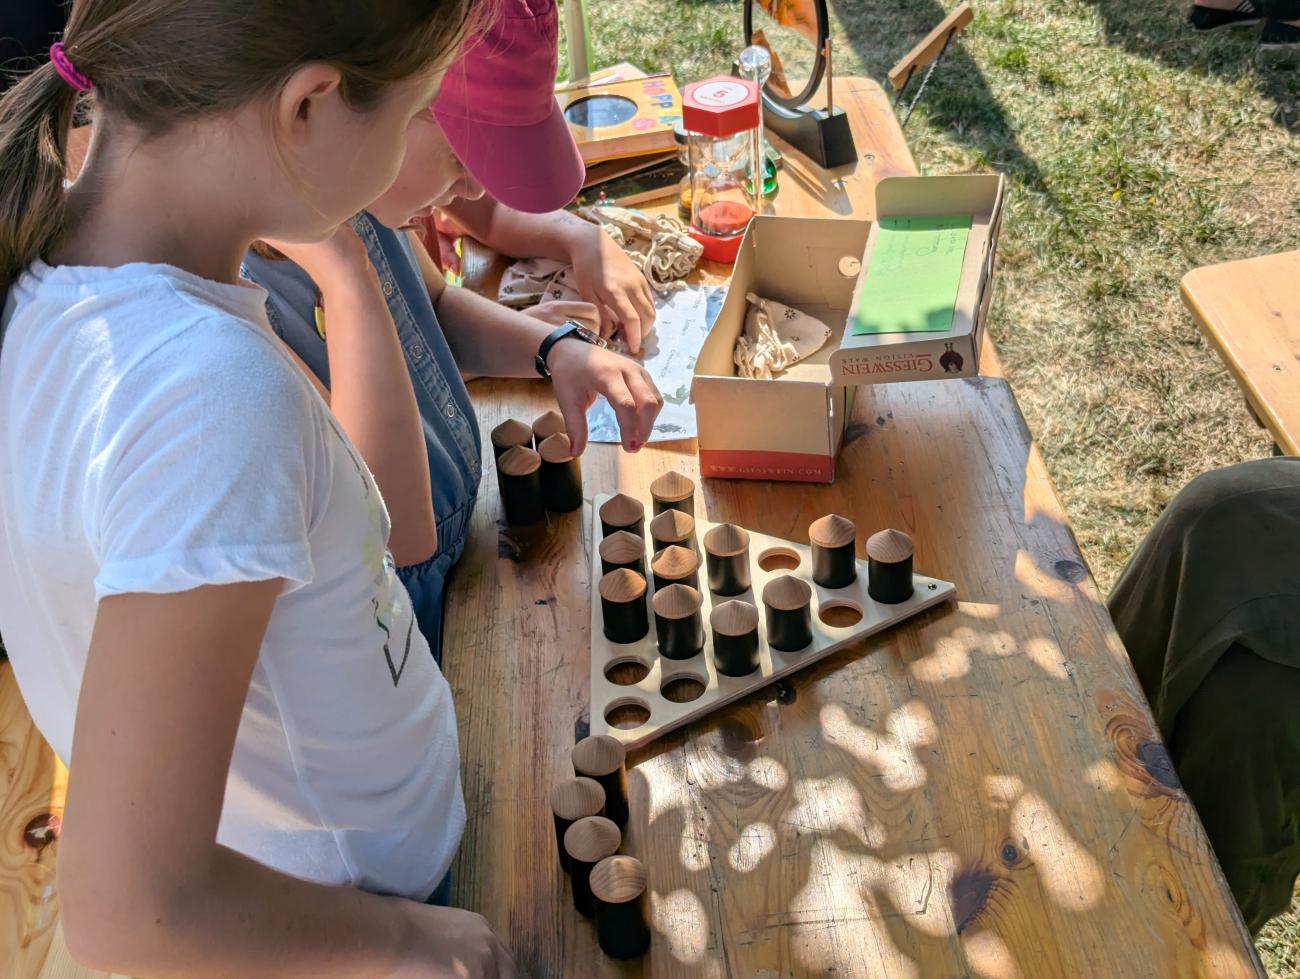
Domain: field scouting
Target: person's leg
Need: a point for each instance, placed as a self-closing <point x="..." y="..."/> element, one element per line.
<point x="1217" y="15"/>
<point x="1236" y="746"/>
<point x="1282" y="25"/>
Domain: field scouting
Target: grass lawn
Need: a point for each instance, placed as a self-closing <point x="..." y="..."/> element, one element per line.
<point x="1135" y="151"/>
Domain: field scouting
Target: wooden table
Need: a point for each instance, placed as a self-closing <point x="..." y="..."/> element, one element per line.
<point x="1250" y="311"/>
<point x="980" y="792"/>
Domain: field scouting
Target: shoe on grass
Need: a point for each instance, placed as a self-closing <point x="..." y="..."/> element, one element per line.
<point x="1207" y="19"/>
<point x="1279" y="34"/>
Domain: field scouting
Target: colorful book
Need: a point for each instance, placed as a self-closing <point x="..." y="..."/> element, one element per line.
<point x="633" y="117"/>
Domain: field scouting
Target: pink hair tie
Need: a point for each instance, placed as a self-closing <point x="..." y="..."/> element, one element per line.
<point x="67" y="70"/>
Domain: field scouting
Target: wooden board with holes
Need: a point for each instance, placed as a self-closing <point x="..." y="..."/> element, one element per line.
<point x="1250" y="311"/>
<point x="717" y="689"/>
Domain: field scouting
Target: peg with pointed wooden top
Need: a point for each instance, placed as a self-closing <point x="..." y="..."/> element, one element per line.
<point x="518" y="475"/>
<point x="561" y="474"/>
<point x="622" y="603"/>
<point x="622" y="512"/>
<point x="587" y="842"/>
<point x="573" y="799"/>
<point x="833" y="539"/>
<point x="672" y="527"/>
<point x="622" y="549"/>
<point x="603" y="759"/>
<point x="735" y="637"/>
<point x="889" y="566"/>
<point x="726" y="555"/>
<point x="675" y="566"/>
<point x="679" y="626"/>
<point x="618" y="888"/>
<point x="545" y="425"/>
<point x="508" y="434"/>
<point x="787" y="602"/>
<point x="673" y="491"/>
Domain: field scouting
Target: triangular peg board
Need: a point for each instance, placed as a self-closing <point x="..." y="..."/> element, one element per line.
<point x="719" y="689"/>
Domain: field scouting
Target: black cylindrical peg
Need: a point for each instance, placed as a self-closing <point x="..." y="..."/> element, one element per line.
<point x="889" y="567"/>
<point x="561" y="474"/>
<point x="546" y="425"/>
<point x="622" y="512"/>
<point x="735" y="637"/>
<point x="519" y="476"/>
<point x="587" y="842"/>
<point x="672" y="528"/>
<point x="622" y="550"/>
<point x="622" y="606"/>
<point x="726" y="556"/>
<point x="509" y="434"/>
<point x="618" y="887"/>
<point x="833" y="541"/>
<point x="679" y="626"/>
<point x="787" y="603"/>
<point x="573" y="799"/>
<point x="675" y="566"/>
<point x="673" y="491"/>
<point x="602" y="758"/>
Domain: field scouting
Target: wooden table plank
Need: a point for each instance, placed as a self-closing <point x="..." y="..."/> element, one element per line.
<point x="982" y="792"/>
<point x="1250" y="311"/>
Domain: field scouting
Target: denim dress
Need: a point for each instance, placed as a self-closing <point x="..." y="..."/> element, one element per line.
<point x="451" y="435"/>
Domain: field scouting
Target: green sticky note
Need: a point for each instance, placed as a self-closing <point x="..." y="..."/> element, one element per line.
<point x="910" y="285"/>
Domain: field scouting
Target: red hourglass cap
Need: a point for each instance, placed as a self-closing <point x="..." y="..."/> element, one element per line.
<point x="720" y="106"/>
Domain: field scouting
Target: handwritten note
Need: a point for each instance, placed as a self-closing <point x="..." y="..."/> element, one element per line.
<point x="910" y="285"/>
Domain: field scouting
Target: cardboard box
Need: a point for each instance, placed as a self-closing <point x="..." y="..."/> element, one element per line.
<point x="790" y="428"/>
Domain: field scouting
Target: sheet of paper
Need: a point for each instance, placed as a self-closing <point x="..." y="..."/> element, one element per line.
<point x="913" y="275"/>
<point x="683" y="321"/>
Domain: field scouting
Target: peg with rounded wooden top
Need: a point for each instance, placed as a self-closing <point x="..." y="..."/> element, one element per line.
<point x="834" y="539"/>
<point x="622" y="512"/>
<point x="735" y="637"/>
<point x="787" y="601"/>
<point x="672" y="528"/>
<point x="573" y="799"/>
<point x="675" y="566"/>
<point x="508" y="434"/>
<point x="673" y="491"/>
<point x="622" y="606"/>
<point x="587" y="842"/>
<point x="618" y="889"/>
<point x="545" y="425"/>
<point x="889" y="566"/>
<point x="726" y="556"/>
<point x="603" y="758"/>
<point x="561" y="474"/>
<point x="622" y="549"/>
<point x="519" y="477"/>
<point x="679" y="626"/>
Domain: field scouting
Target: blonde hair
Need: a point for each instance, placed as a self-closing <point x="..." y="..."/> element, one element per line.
<point x="156" y="63"/>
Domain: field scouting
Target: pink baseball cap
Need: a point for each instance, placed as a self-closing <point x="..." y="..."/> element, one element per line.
<point x="497" y="108"/>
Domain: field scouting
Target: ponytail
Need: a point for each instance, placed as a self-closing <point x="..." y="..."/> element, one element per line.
<point x="35" y="116"/>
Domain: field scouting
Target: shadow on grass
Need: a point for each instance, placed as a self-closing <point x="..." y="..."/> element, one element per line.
<point x="1163" y="35"/>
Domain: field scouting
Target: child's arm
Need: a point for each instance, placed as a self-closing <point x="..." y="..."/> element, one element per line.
<point x="489" y="339"/>
<point x="370" y="387"/>
<point x="145" y="888"/>
<point x="606" y="277"/>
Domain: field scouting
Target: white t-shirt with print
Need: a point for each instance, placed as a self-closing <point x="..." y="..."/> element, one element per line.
<point x="155" y="437"/>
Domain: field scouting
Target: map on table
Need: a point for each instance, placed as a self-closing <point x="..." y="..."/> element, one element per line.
<point x="683" y="321"/>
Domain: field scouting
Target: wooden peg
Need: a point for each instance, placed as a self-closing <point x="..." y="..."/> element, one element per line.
<point x="787" y="601"/>
<point x="672" y="527"/>
<point x="622" y="606"/>
<point x="587" y="842"/>
<point x="889" y="566"/>
<point x="521" y="486"/>
<point x="735" y="637"/>
<point x="726" y="555"/>
<point x="561" y="474"/>
<point x="622" y="550"/>
<point x="673" y="491"/>
<point x="618" y="889"/>
<point x="545" y="425"/>
<point x="509" y="434"/>
<point x="679" y="626"/>
<point x="833" y="541"/>
<point x="622" y="512"/>
<point x="573" y="799"/>
<point x="675" y="566"/>
<point x="603" y="758"/>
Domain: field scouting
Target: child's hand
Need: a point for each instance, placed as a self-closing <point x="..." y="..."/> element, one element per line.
<point x="342" y="256"/>
<point x="607" y="278"/>
<point x="557" y="312"/>
<point x="450" y="942"/>
<point x="580" y="372"/>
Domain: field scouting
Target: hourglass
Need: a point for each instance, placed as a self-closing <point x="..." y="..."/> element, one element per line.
<point x="722" y="119"/>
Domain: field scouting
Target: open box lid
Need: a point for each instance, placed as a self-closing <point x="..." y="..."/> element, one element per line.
<point x="980" y="196"/>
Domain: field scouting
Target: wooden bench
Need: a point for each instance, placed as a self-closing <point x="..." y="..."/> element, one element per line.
<point x="1250" y="311"/>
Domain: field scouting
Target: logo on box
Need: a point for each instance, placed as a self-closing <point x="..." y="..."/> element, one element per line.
<point x="884" y="363"/>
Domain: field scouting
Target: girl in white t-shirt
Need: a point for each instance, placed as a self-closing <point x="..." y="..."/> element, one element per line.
<point x="195" y="589"/>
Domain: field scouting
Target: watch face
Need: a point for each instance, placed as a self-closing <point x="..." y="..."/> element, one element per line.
<point x="589" y="335"/>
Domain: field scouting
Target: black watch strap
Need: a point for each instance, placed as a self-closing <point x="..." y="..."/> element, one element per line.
<point x="571" y="328"/>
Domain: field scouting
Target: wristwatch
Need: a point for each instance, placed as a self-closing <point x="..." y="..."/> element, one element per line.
<point x="571" y="328"/>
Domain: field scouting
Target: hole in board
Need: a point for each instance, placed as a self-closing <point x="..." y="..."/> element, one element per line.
<point x="626" y="673"/>
<point x="840" y="615"/>
<point x="627" y="714"/>
<point x="778" y="559"/>
<point x="682" y="689"/>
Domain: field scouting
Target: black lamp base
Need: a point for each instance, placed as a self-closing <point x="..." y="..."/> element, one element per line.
<point x="825" y="138"/>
